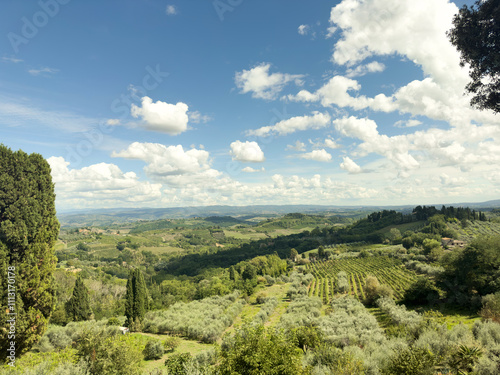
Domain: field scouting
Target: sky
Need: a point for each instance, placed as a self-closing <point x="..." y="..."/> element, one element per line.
<point x="151" y="103"/>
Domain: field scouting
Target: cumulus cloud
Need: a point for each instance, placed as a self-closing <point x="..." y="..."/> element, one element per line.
<point x="328" y="143"/>
<point x="161" y="116"/>
<point x="196" y="117"/>
<point x="337" y="92"/>
<point x="263" y="85"/>
<point x="361" y="70"/>
<point x="297" y="146"/>
<point x="252" y="170"/>
<point x="171" y="10"/>
<point x="316" y="121"/>
<point x="247" y="152"/>
<point x="407" y="124"/>
<point x="172" y="164"/>
<point x="317" y="155"/>
<point x="100" y="184"/>
<point x="350" y="166"/>
<point x="303" y="29"/>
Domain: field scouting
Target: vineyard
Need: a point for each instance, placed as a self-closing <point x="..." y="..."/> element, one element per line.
<point x="388" y="271"/>
<point x="476" y="228"/>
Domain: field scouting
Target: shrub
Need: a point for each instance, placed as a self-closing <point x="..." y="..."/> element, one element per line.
<point x="154" y="350"/>
<point x="113" y="321"/>
<point x="252" y="350"/>
<point x="261" y="298"/>
<point x="175" y="363"/>
<point x="411" y="361"/>
<point x="491" y="307"/>
<point x="421" y="292"/>
<point x="170" y="343"/>
<point x="108" y="353"/>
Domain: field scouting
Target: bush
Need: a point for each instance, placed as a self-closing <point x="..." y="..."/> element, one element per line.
<point x="261" y="298"/>
<point x="108" y="353"/>
<point x="411" y="361"/>
<point x="421" y="292"/>
<point x="154" y="350"/>
<point x="175" y="363"/>
<point x="170" y="343"/>
<point x="252" y="350"/>
<point x="491" y="307"/>
<point x="113" y="321"/>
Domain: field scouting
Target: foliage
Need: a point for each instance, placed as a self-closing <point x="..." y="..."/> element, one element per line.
<point x="203" y="320"/>
<point x="331" y="360"/>
<point x="474" y="270"/>
<point x="491" y="307"/>
<point x="136" y="299"/>
<point x="154" y="350"/>
<point x="464" y="358"/>
<point x="108" y="353"/>
<point x="176" y="363"/>
<point x="253" y="350"/>
<point x="170" y="343"/>
<point x="411" y="361"/>
<point x="423" y="291"/>
<point x="350" y="323"/>
<point x="28" y="232"/>
<point x="78" y="306"/>
<point x="475" y="34"/>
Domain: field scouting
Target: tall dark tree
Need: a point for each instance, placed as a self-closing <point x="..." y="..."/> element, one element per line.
<point x="28" y="232"/>
<point x="136" y="298"/>
<point x="78" y="306"/>
<point x="476" y="35"/>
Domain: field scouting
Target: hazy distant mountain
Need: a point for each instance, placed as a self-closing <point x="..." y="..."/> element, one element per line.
<point x="126" y="215"/>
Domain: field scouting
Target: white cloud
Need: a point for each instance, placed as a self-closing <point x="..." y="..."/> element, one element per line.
<point x="303" y="29"/>
<point x="172" y="164"/>
<point x="350" y="166"/>
<point x="316" y="121"/>
<point x="12" y="60"/>
<point x="99" y="185"/>
<point x="252" y="170"/>
<point x="196" y="117"/>
<point x="407" y="124"/>
<point x="263" y="85"/>
<point x="42" y="71"/>
<point x="247" y="152"/>
<point x="361" y="70"/>
<point x="20" y="113"/>
<point x="171" y="10"/>
<point x="317" y="155"/>
<point x="298" y="146"/>
<point x="161" y="116"/>
<point x="328" y="143"/>
<point x="336" y="91"/>
<point x="113" y="121"/>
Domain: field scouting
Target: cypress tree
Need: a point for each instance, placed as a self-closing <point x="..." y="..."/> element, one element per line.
<point x="28" y="232"/>
<point x="78" y="306"/>
<point x="136" y="298"/>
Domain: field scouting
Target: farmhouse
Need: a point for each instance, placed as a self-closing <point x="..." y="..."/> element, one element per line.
<point x="450" y="242"/>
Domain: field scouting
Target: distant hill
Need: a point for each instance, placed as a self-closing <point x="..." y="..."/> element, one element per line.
<point x="109" y="216"/>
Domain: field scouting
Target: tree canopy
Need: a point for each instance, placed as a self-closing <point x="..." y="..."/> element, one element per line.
<point x="476" y="35"/>
<point x="78" y="306"/>
<point x="28" y="232"/>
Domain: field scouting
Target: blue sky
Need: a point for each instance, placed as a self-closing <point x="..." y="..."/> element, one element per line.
<point x="180" y="103"/>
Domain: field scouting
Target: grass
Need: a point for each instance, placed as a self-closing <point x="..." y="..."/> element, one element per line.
<point x="244" y="235"/>
<point x="185" y="346"/>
